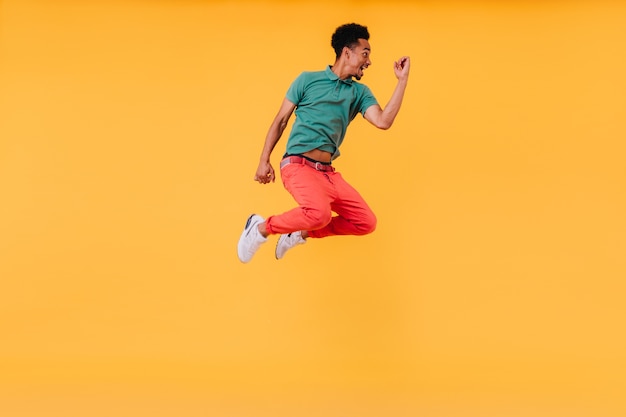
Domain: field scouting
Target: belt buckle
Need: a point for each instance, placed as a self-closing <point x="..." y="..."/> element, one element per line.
<point x="319" y="166"/>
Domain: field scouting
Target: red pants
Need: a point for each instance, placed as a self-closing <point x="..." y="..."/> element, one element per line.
<point x="319" y="194"/>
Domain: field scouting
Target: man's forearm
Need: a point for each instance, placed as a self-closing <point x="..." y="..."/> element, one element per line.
<point x="273" y="136"/>
<point x="393" y="106"/>
<point x="278" y="126"/>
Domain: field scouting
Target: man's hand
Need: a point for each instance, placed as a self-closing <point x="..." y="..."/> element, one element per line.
<point x="401" y="67"/>
<point x="265" y="173"/>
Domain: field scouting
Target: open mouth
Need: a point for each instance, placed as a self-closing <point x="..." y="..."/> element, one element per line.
<point x="360" y="73"/>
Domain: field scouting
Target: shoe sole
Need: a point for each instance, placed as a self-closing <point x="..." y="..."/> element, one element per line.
<point x="247" y="228"/>
<point x="280" y="239"/>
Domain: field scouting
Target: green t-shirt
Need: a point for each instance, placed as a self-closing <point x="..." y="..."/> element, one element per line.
<point x="325" y="105"/>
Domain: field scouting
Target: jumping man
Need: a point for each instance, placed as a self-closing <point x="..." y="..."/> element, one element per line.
<point x="325" y="102"/>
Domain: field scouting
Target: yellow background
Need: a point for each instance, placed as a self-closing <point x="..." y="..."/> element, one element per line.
<point x="494" y="285"/>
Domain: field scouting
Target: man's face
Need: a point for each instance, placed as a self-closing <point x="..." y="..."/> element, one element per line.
<point x="359" y="58"/>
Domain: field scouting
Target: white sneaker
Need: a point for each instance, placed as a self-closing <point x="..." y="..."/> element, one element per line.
<point x="251" y="239"/>
<point x="288" y="241"/>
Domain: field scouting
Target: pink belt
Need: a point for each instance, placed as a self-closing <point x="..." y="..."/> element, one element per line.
<point x="303" y="161"/>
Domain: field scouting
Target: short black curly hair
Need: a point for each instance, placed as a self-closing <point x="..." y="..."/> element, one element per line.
<point x="348" y="35"/>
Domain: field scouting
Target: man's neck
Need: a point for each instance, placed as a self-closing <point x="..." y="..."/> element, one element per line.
<point x="338" y="69"/>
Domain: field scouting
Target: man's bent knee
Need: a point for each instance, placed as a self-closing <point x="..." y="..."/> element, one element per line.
<point x="367" y="225"/>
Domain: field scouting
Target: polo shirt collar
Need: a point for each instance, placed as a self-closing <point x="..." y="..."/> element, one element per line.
<point x="334" y="77"/>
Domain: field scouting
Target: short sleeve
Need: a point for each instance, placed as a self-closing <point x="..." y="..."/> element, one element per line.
<point x="295" y="93"/>
<point x="367" y="100"/>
